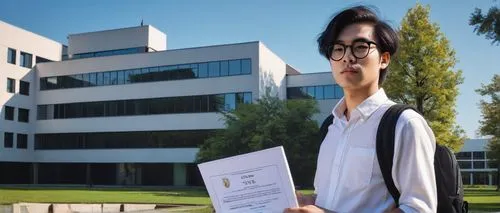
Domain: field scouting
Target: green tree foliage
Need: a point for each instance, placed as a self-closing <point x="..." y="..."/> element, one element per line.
<point x="487" y="24"/>
<point x="490" y="123"/>
<point x="268" y="123"/>
<point x="422" y="75"/>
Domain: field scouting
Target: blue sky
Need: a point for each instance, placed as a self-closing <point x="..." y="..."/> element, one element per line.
<point x="289" y="28"/>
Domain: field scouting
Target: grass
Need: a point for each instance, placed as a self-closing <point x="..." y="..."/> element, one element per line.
<point x="103" y="195"/>
<point x="484" y="199"/>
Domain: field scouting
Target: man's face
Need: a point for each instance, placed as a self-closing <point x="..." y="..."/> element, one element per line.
<point x="360" y="67"/>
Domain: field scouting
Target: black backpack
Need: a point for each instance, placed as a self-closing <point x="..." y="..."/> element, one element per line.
<point x="450" y="191"/>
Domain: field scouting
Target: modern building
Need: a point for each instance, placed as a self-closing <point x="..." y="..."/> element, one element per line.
<point x="116" y="107"/>
<point x="476" y="164"/>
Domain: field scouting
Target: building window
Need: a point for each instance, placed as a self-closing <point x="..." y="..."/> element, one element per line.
<point x="39" y="59"/>
<point x="123" y="140"/>
<point x="479" y="165"/>
<point x="23" y="115"/>
<point x="8" y="140"/>
<point x="464" y="155"/>
<point x="11" y="56"/>
<point x="316" y="92"/>
<point x="478" y="155"/>
<point x="26" y="60"/>
<point x="149" y="74"/>
<point x="11" y="85"/>
<point x="134" y="107"/>
<point x="465" y="164"/>
<point x="22" y="141"/>
<point x="9" y="113"/>
<point x="24" y="88"/>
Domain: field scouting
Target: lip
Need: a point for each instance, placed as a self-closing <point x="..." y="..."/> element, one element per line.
<point x="350" y="70"/>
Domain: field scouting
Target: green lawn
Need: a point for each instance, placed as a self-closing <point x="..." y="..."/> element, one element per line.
<point x="480" y="199"/>
<point x="43" y="195"/>
<point x="483" y="199"/>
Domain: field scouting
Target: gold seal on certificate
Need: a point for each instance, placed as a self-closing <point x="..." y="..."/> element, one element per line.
<point x="256" y="182"/>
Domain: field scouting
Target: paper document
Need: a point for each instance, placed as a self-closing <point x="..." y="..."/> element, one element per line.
<point x="256" y="182"/>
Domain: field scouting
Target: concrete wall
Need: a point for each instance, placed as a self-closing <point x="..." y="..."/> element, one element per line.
<point x="140" y="36"/>
<point x="36" y="45"/>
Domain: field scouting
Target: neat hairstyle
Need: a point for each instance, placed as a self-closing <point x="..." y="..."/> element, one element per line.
<point x="386" y="37"/>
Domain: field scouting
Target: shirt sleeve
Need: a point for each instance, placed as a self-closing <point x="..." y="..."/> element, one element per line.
<point x="413" y="169"/>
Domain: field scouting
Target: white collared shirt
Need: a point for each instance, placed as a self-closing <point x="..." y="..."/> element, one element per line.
<point x="348" y="177"/>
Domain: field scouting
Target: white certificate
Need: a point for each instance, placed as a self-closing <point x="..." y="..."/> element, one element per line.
<point x="257" y="182"/>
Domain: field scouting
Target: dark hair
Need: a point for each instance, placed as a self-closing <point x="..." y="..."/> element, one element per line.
<point x="386" y="37"/>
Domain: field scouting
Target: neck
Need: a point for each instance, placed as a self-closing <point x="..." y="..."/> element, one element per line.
<point x="355" y="97"/>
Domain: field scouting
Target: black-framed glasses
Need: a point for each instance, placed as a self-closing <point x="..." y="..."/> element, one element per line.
<point x="359" y="49"/>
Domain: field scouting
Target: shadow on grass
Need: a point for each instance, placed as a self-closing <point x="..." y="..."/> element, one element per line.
<point x="487" y="207"/>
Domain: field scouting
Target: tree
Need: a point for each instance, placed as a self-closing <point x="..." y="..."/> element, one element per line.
<point x="490" y="123"/>
<point x="487" y="24"/>
<point x="422" y="75"/>
<point x="268" y="123"/>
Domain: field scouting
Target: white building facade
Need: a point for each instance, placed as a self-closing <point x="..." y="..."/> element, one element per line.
<point x="116" y="107"/>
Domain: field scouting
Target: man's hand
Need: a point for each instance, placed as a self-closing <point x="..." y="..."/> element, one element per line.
<point x="307" y="209"/>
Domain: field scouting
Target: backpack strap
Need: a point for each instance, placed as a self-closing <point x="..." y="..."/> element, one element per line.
<point x="385" y="145"/>
<point x="323" y="130"/>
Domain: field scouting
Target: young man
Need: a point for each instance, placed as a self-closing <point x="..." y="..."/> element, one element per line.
<point x="359" y="47"/>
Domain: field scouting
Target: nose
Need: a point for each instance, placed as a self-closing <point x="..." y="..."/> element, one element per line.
<point x="349" y="55"/>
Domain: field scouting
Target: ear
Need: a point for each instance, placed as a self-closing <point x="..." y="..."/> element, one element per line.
<point x="385" y="59"/>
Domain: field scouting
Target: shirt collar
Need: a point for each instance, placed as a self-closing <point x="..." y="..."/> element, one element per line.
<point x="366" y="108"/>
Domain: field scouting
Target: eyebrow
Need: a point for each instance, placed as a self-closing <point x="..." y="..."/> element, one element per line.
<point x="355" y="40"/>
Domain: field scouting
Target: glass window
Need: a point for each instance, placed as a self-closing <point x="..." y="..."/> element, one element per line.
<point x="339" y="93"/>
<point x="106" y="78"/>
<point x="184" y="72"/>
<point x="246" y="66"/>
<point x="26" y="60"/>
<point x="492" y="165"/>
<point x="11" y="56"/>
<point x="479" y="164"/>
<point x="466" y="178"/>
<point x="465" y="164"/>
<point x="41" y="112"/>
<point x="146" y="76"/>
<point x="224" y="68"/>
<point x="194" y="69"/>
<point x="230" y="102"/>
<point x="213" y="69"/>
<point x="234" y="67"/>
<point x="22" y="141"/>
<point x="52" y="83"/>
<point x="100" y="79"/>
<point x="8" y="140"/>
<point x="23" y="115"/>
<point x="329" y="92"/>
<point x="86" y="79"/>
<point x="121" y="77"/>
<point x="92" y="79"/>
<point x="24" y="88"/>
<point x="311" y="91"/>
<point x="478" y="155"/>
<point x="463" y="155"/>
<point x="114" y="78"/>
<point x="480" y="178"/>
<point x="9" y="113"/>
<point x="129" y="76"/>
<point x="319" y="93"/>
<point x="11" y="85"/>
<point x="202" y="70"/>
<point x="247" y="97"/>
<point x="137" y="75"/>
